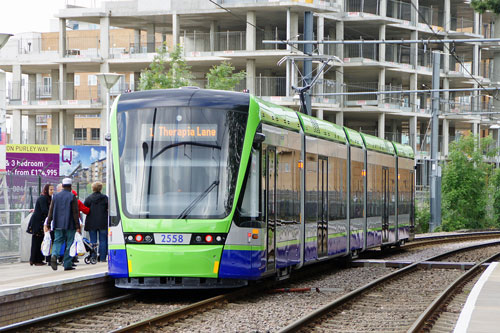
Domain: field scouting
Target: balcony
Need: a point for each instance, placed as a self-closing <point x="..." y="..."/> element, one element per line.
<point x="44" y="95"/>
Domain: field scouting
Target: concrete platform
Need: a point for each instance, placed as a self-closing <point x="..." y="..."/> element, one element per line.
<point x="28" y="292"/>
<point x="482" y="309"/>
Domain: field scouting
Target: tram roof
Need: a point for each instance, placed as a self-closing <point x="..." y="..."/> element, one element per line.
<point x="322" y="128"/>
<point x="403" y="150"/>
<point x="354" y="137"/>
<point x="278" y="115"/>
<point x="378" y="144"/>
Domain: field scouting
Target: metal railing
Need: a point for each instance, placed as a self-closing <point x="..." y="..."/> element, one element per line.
<point x="366" y="51"/>
<point x="399" y="10"/>
<point x="10" y="232"/>
<point x="32" y="92"/>
<point x="363" y="6"/>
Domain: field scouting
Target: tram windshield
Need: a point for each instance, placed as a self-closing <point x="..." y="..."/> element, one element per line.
<point x="179" y="162"/>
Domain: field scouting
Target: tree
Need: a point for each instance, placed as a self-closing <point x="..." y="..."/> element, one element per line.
<point x="158" y="76"/>
<point x="222" y="77"/>
<point x="482" y="6"/>
<point x="465" y="184"/>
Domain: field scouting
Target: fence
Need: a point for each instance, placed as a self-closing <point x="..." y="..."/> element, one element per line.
<point x="10" y="232"/>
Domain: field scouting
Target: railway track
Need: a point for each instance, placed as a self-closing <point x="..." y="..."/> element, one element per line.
<point x="129" y="314"/>
<point x="398" y="302"/>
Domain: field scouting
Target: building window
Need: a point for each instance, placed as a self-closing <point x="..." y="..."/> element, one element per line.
<point x="77" y="80"/>
<point x="47" y="86"/>
<point x="92" y="80"/>
<point x="80" y="134"/>
<point x="96" y="133"/>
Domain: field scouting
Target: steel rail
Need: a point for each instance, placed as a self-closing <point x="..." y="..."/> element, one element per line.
<point x="450" y="238"/>
<point x="422" y="320"/>
<point x="30" y="322"/>
<point x="307" y="319"/>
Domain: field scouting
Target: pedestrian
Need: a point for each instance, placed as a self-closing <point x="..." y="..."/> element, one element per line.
<point x="37" y="219"/>
<point x="81" y="209"/>
<point x="63" y="219"/>
<point x="97" y="220"/>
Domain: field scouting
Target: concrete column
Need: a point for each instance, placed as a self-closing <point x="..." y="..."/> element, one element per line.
<point x="176" y="29"/>
<point x="339" y="118"/>
<point x="62" y="37"/>
<point x="54" y="131"/>
<point x="151" y="38"/>
<point x="137" y="41"/>
<point x="251" y="32"/>
<point x="69" y="128"/>
<point x="381" y="47"/>
<point x="319" y="113"/>
<point x="383" y="8"/>
<point x="381" y="73"/>
<point x="414" y="12"/>
<point x="31" y="129"/>
<point x="413" y="133"/>
<point x="104" y="26"/>
<point x="446" y="96"/>
<point x="413" y="97"/>
<point x="339" y="74"/>
<point x="446" y="137"/>
<point x="476" y="55"/>
<point x="414" y="50"/>
<point x="16" y="132"/>
<point x="62" y="81"/>
<point x="320" y="31"/>
<point x="475" y="128"/>
<point x="32" y="87"/>
<point x="213" y="35"/>
<point x="251" y="75"/>
<point x="3" y="108"/>
<point x="381" y="125"/>
<point x="495" y="79"/>
<point x="17" y="79"/>
<point x="293" y="22"/>
<point x="381" y="85"/>
<point x="54" y="75"/>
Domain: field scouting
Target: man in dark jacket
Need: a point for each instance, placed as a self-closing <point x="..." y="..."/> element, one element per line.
<point x="63" y="213"/>
<point x="97" y="220"/>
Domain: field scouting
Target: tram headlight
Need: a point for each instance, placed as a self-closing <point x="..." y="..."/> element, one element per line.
<point x="198" y="239"/>
<point x="130" y="238"/>
<point x="148" y="239"/>
<point x="218" y="238"/>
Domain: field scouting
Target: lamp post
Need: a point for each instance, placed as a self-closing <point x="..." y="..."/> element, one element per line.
<point x="3" y="40"/>
<point x="108" y="80"/>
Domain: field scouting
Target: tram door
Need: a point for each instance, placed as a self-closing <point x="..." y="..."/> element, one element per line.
<point x="322" y="207"/>
<point x="386" y="201"/>
<point x="271" y="208"/>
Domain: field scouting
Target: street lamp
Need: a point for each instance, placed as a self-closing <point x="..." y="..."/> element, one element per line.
<point x="3" y="40"/>
<point x="108" y="80"/>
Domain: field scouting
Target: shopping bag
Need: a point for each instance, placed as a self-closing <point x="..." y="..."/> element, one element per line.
<point x="80" y="247"/>
<point x="46" y="243"/>
<point x="72" y="250"/>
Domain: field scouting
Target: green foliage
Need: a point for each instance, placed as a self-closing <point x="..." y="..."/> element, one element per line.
<point x="221" y="77"/>
<point x="158" y="76"/>
<point x="422" y="218"/>
<point x="495" y="193"/>
<point x="465" y="183"/>
<point x="482" y="6"/>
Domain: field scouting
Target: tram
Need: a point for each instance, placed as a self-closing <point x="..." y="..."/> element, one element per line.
<point x="213" y="189"/>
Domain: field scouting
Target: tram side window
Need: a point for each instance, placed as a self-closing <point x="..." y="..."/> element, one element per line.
<point x="357" y="189"/>
<point x="249" y="212"/>
<point x="287" y="187"/>
<point x="311" y="209"/>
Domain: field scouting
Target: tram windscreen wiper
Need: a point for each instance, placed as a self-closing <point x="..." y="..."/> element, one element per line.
<point x="198" y="199"/>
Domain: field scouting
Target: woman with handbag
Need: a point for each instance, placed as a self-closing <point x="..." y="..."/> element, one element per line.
<point x="36" y="223"/>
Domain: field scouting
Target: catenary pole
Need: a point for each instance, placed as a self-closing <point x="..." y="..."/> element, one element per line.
<point x="435" y="200"/>
<point x="308" y="48"/>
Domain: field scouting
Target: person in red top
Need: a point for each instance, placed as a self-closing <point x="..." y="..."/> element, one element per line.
<point x="81" y="207"/>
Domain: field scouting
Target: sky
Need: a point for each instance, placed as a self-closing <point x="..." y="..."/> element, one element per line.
<point x="18" y="16"/>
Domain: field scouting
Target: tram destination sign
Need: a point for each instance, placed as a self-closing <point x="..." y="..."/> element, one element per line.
<point x="180" y="132"/>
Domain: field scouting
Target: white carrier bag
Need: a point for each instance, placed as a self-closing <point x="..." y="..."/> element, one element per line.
<point x="77" y="248"/>
<point x="46" y="243"/>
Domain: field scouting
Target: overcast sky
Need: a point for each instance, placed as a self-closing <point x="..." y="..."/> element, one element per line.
<point x="28" y="15"/>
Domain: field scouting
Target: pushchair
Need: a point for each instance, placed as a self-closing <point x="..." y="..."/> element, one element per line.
<point x="91" y="257"/>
